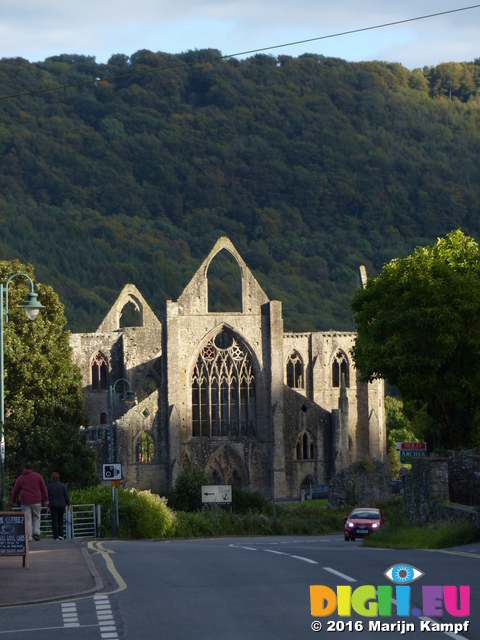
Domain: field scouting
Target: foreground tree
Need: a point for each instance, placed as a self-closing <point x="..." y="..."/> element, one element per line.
<point x="44" y="405"/>
<point x="399" y="429"/>
<point x="418" y="325"/>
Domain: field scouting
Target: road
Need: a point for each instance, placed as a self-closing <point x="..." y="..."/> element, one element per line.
<point x="241" y="589"/>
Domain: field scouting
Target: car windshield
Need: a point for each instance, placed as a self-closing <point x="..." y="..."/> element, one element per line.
<point x="365" y="515"/>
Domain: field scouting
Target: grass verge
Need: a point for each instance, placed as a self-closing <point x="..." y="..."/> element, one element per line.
<point x="436" y="535"/>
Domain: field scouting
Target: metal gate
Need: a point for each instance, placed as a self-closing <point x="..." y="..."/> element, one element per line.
<point x="80" y="522"/>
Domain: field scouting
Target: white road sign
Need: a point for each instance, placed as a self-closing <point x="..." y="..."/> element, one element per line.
<point x="112" y="472"/>
<point x="217" y="494"/>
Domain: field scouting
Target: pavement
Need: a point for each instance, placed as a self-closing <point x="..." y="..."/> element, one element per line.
<point x="58" y="570"/>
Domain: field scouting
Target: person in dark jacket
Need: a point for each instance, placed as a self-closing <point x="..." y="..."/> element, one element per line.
<point x="58" y="500"/>
<point x="31" y="487"/>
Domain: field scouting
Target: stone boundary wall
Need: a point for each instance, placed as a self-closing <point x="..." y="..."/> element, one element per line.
<point x="426" y="486"/>
<point x="366" y="482"/>
<point x="464" y="476"/>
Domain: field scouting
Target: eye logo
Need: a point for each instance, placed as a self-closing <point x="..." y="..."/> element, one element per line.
<point x="403" y="574"/>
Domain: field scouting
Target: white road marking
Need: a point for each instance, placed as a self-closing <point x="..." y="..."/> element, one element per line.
<point x="305" y="559"/>
<point x="108" y="630"/>
<point x="341" y="575"/>
<point x="70" y="614"/>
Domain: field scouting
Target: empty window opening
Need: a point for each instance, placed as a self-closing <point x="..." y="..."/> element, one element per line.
<point x="217" y="478"/>
<point x="236" y="480"/>
<point x="223" y="390"/>
<point x="224" y="284"/>
<point x="103" y="418"/>
<point x="99" y="371"/>
<point x="145" y="450"/>
<point x="130" y="316"/>
<point x="340" y="367"/>
<point x="305" y="448"/>
<point x="295" y="371"/>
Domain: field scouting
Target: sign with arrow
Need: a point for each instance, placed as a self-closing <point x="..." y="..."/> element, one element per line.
<point x="220" y="494"/>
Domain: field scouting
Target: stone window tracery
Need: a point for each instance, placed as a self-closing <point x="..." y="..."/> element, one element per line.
<point x="295" y="371"/>
<point x="305" y="447"/>
<point x="223" y="390"/>
<point x="99" y="372"/>
<point x="340" y="366"/>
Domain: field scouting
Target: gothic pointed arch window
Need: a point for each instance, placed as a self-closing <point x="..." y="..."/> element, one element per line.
<point x="340" y="366"/>
<point x="308" y="483"/>
<point x="145" y="448"/>
<point x="223" y="389"/>
<point x="295" y="376"/>
<point x="305" y="447"/>
<point x="99" y="371"/>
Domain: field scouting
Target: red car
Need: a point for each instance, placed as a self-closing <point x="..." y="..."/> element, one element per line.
<point x="362" y="521"/>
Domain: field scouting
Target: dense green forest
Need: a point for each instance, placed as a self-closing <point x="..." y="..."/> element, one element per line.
<point x="311" y="166"/>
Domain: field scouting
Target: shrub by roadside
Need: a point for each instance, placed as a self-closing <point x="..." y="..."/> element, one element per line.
<point x="141" y="514"/>
<point x="297" y="519"/>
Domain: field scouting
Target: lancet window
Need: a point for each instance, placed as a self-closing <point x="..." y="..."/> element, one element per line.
<point x="145" y="449"/>
<point x="340" y="366"/>
<point x="305" y="448"/>
<point x="99" y="371"/>
<point x="223" y="390"/>
<point x="295" y="371"/>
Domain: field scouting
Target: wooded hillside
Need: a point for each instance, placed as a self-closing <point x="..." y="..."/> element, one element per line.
<point x="310" y="165"/>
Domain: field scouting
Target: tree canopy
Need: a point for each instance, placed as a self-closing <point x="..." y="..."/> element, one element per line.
<point x="418" y="325"/>
<point x="310" y="165"/>
<point x="44" y="406"/>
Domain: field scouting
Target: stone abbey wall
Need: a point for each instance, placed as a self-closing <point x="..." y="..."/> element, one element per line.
<point x="228" y="391"/>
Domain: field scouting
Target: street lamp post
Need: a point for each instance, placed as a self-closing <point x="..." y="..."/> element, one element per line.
<point x="32" y="307"/>
<point x="129" y="400"/>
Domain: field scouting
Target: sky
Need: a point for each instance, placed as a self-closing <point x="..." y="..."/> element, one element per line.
<point x="37" y="29"/>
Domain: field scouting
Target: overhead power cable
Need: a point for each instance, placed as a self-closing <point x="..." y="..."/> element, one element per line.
<point x="242" y="53"/>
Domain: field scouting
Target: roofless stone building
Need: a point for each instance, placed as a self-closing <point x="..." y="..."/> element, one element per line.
<point x="228" y="391"/>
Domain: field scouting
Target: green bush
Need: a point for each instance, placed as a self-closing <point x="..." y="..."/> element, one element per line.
<point x="306" y="519"/>
<point x="186" y="495"/>
<point x="249" y="502"/>
<point x="141" y="513"/>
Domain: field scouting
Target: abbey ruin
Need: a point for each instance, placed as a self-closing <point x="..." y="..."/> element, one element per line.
<point x="228" y="391"/>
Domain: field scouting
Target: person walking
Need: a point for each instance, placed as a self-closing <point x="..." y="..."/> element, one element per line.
<point x="58" y="500"/>
<point x="31" y="488"/>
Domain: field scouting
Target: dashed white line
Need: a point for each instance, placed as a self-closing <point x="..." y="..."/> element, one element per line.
<point x="305" y="559"/>
<point x="340" y="575"/>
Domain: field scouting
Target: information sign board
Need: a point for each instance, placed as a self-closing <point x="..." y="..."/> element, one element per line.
<point x="406" y="457"/>
<point x="217" y="494"/>
<point x="13" y="535"/>
<point x="414" y="446"/>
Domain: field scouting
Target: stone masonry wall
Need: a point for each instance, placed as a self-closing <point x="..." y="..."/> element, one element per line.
<point x="426" y="486"/>
<point x="464" y="476"/>
<point x="366" y="483"/>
